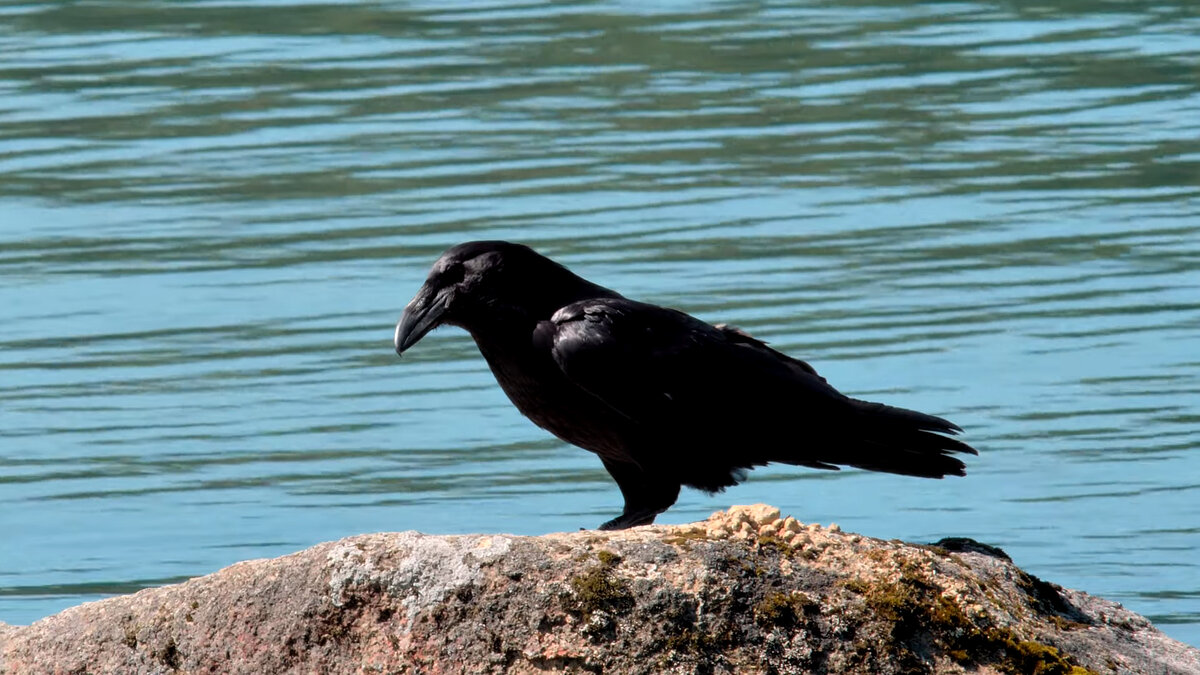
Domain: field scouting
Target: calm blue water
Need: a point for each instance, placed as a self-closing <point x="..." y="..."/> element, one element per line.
<point x="212" y="213"/>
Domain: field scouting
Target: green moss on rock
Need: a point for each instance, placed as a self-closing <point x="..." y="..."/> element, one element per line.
<point x="918" y="612"/>
<point x="599" y="589"/>
<point x="783" y="609"/>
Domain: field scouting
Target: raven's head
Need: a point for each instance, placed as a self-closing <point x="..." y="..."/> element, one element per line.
<point x="488" y="286"/>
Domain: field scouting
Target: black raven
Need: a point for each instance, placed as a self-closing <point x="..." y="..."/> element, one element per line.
<point x="663" y="398"/>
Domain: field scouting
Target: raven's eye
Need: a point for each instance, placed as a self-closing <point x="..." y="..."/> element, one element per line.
<point x="451" y="275"/>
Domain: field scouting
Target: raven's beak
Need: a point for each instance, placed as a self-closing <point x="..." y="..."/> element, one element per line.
<point x="421" y="315"/>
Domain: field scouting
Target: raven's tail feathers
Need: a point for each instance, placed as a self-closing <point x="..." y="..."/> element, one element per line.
<point x="896" y="440"/>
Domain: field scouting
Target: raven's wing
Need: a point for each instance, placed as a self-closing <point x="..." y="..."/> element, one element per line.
<point x="721" y="400"/>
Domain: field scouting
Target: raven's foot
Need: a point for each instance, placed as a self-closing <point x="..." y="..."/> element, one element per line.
<point x="628" y="520"/>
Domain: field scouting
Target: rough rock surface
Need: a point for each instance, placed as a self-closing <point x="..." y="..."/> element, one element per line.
<point x="743" y="592"/>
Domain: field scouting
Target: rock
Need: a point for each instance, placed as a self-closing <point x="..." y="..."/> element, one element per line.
<point x="743" y="592"/>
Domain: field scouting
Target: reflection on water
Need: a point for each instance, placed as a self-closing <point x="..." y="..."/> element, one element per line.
<point x="212" y="213"/>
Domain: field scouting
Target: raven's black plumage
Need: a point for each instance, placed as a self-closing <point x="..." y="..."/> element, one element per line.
<point x="663" y="398"/>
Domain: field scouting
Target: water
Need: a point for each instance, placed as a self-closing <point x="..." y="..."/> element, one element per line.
<point x="212" y="213"/>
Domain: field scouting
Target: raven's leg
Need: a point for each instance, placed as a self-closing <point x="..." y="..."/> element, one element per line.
<point x="646" y="495"/>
